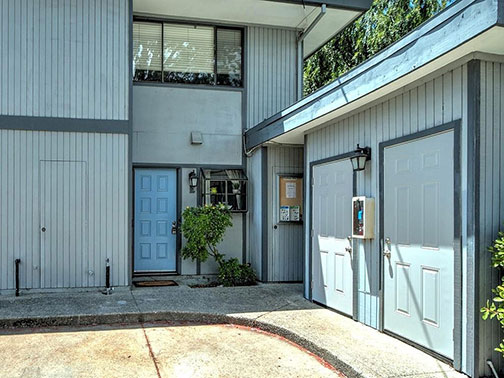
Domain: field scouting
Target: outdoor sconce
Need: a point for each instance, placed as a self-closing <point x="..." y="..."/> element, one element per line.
<point x="193" y="181"/>
<point x="359" y="158"/>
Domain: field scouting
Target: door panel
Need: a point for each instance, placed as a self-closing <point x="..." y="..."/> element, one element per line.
<point x="155" y="211"/>
<point x="63" y="223"/>
<point x="418" y="221"/>
<point x="332" y="257"/>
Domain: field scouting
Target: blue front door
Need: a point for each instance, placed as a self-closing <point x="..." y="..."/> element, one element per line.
<point x="155" y="212"/>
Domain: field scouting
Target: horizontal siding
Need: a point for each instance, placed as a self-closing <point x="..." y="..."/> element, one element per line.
<point x="285" y="244"/>
<point x="65" y="58"/>
<point x="271" y="72"/>
<point x="106" y="159"/>
<point x="491" y="198"/>
<point x="432" y="103"/>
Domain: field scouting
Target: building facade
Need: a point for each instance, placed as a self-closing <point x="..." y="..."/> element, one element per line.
<point x="115" y="115"/>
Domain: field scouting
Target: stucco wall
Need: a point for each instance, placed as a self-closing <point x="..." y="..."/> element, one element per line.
<point x="165" y="116"/>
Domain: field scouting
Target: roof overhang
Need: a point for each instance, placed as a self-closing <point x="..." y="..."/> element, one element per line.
<point x="291" y="14"/>
<point x="467" y="27"/>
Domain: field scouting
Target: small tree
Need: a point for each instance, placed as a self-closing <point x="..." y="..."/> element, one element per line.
<point x="204" y="228"/>
<point x="495" y="309"/>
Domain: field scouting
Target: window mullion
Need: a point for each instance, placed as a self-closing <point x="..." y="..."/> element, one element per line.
<point x="162" y="52"/>
<point x="215" y="56"/>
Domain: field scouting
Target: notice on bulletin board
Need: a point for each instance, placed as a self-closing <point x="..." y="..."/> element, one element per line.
<point x="291" y="199"/>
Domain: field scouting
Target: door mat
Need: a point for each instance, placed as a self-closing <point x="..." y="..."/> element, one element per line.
<point x="155" y="283"/>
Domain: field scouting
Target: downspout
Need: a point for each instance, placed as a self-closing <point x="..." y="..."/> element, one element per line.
<point x="300" y="57"/>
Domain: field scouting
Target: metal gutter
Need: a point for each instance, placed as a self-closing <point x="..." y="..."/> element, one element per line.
<point x="350" y="5"/>
<point x="323" y="11"/>
<point x="456" y="25"/>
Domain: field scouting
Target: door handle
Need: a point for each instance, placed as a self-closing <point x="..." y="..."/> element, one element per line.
<point x="387" y="252"/>
<point x="174" y="228"/>
<point x="349" y="249"/>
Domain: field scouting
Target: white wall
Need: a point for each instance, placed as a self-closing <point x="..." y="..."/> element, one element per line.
<point x="106" y="161"/>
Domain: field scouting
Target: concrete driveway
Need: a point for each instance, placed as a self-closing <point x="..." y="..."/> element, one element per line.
<point x="155" y="350"/>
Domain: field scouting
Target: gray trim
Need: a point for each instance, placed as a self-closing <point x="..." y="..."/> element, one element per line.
<point x="473" y="220"/>
<point x="188" y="86"/>
<point x="186" y="165"/>
<point x="355" y="259"/>
<point x="457" y="24"/>
<point x="343" y="156"/>
<point x="130" y="140"/>
<point x="265" y="208"/>
<point x="64" y="124"/>
<point x="454" y="126"/>
<point x="306" y="223"/>
<point x="351" y="5"/>
<point x="179" y="221"/>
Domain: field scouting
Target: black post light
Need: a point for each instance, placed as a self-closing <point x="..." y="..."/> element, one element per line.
<point x="193" y="181"/>
<point x="359" y="158"/>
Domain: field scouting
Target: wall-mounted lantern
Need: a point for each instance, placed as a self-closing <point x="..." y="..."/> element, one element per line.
<point x="193" y="181"/>
<point x="359" y="158"/>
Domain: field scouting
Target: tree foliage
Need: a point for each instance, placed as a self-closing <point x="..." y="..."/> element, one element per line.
<point x="383" y="24"/>
<point x="204" y="228"/>
<point x="495" y="308"/>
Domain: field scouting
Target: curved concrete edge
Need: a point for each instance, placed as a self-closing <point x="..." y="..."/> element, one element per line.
<point x="189" y="317"/>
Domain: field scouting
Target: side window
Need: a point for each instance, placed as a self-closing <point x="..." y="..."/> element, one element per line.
<point x="146" y="51"/>
<point x="188" y="54"/>
<point x="229" y="57"/>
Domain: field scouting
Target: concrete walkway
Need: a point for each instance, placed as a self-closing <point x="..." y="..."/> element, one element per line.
<point x="351" y="347"/>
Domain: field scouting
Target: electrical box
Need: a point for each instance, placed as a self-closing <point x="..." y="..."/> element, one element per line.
<point x="363" y="215"/>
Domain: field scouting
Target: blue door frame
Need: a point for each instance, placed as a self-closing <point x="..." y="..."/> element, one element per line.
<point x="155" y="212"/>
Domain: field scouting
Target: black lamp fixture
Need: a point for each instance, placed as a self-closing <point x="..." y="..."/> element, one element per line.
<point x="193" y="181"/>
<point x="359" y="158"/>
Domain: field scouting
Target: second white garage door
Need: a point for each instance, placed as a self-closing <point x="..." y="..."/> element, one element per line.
<point x="332" y="256"/>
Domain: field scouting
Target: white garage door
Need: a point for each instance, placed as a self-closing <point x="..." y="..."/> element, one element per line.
<point x="419" y="233"/>
<point x="332" y="257"/>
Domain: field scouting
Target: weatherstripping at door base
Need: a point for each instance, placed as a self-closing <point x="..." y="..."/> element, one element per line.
<point x="457" y="244"/>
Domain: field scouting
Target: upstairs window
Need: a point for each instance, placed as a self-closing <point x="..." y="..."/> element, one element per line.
<point x="190" y="54"/>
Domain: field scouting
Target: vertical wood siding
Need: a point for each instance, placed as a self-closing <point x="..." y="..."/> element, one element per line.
<point x="270" y="87"/>
<point x="432" y="103"/>
<point x="491" y="197"/>
<point x="106" y="159"/>
<point x="64" y="58"/>
<point x="271" y="72"/>
<point x="255" y="212"/>
<point x="285" y="244"/>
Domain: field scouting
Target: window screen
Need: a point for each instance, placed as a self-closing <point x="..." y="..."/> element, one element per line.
<point x="229" y="57"/>
<point x="147" y="51"/>
<point x="188" y="54"/>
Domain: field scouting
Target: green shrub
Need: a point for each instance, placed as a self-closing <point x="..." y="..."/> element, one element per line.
<point x="495" y="309"/>
<point x="204" y="228"/>
<point x="232" y="273"/>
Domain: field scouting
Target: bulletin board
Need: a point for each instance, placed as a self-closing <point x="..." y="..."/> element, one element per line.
<point x="291" y="199"/>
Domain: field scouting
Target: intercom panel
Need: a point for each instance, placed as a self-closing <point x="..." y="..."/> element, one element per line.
<point x="363" y="215"/>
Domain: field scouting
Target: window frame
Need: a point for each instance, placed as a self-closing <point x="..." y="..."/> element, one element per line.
<point x="215" y="27"/>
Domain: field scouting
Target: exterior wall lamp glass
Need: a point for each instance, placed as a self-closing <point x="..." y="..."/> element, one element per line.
<point x="193" y="181"/>
<point x="359" y="158"/>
